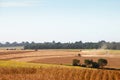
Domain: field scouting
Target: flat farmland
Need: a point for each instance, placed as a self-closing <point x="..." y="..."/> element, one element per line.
<point x="61" y="56"/>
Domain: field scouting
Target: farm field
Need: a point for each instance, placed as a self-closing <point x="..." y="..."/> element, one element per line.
<point x="11" y="70"/>
<point x="51" y="65"/>
<point x="16" y="47"/>
<point x="61" y="56"/>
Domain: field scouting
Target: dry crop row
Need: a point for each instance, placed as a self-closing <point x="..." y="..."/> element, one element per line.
<point x="57" y="73"/>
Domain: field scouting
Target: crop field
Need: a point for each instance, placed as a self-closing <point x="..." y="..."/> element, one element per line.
<point x="61" y="56"/>
<point x="11" y="70"/>
<point x="33" y="65"/>
<point x="16" y="47"/>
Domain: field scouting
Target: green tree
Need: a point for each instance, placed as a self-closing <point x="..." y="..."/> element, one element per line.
<point x="95" y="65"/>
<point x="88" y="63"/>
<point x="76" y="62"/>
<point x="102" y="62"/>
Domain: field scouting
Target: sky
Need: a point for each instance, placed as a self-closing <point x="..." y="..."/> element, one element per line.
<point x="59" y="20"/>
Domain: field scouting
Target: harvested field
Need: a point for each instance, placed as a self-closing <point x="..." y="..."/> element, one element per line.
<point x="112" y="62"/>
<point x="8" y="52"/>
<point x="61" y="56"/>
<point x="25" y="65"/>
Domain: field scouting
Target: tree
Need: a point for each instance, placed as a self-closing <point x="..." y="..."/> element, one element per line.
<point x="95" y="65"/>
<point x="7" y="43"/>
<point x="88" y="63"/>
<point x="79" y="55"/>
<point x="14" y="44"/>
<point x="76" y="62"/>
<point x="102" y="62"/>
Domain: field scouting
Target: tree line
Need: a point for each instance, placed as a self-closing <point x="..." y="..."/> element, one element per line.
<point x="13" y="44"/>
<point x="69" y="45"/>
<point x="90" y="63"/>
<point x="75" y="45"/>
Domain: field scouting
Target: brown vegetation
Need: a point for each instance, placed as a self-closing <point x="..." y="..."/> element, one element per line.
<point x="57" y="73"/>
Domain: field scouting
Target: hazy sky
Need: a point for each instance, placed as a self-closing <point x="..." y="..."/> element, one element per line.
<point x="59" y="20"/>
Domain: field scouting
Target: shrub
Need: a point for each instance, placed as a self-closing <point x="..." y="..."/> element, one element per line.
<point x="83" y="65"/>
<point x="76" y="62"/>
<point x="95" y="65"/>
<point x="102" y="62"/>
<point x="88" y="63"/>
<point x="36" y="49"/>
<point x="79" y="55"/>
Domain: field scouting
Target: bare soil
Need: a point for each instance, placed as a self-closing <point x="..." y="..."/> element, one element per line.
<point x="61" y="56"/>
<point x="112" y="62"/>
